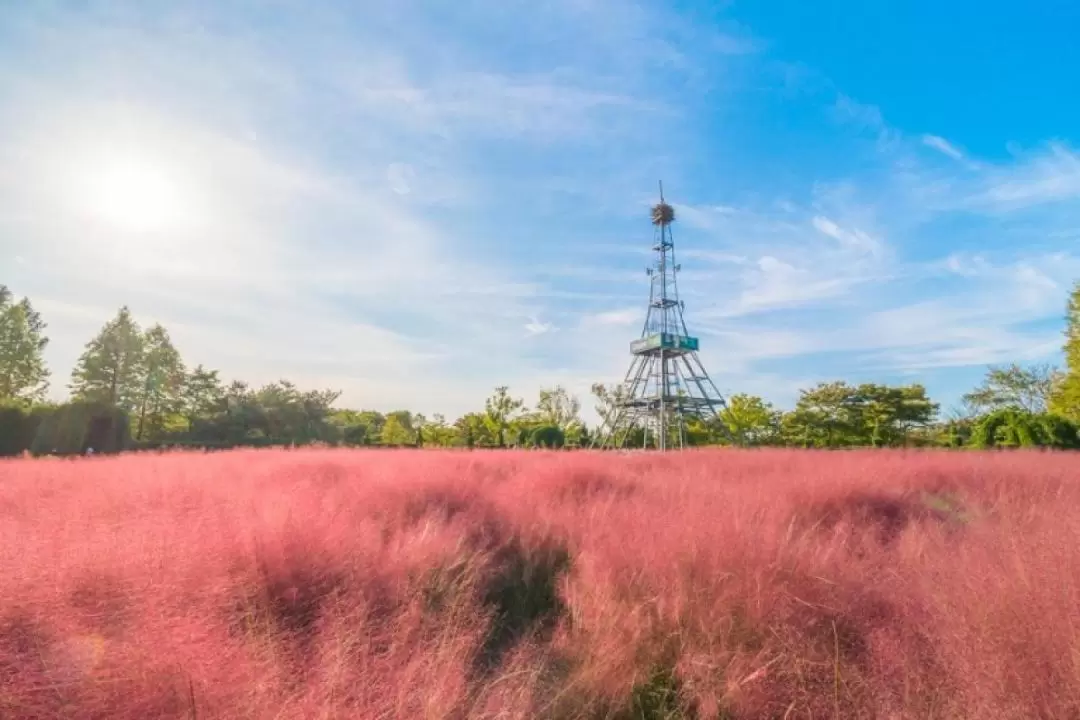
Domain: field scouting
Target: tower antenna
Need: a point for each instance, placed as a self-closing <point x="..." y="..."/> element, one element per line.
<point x="667" y="384"/>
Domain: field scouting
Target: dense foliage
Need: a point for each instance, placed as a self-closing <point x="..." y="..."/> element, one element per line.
<point x="141" y="376"/>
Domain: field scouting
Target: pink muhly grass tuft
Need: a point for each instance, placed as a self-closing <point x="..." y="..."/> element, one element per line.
<point x="325" y="584"/>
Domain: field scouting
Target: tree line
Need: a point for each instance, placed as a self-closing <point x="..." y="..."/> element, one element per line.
<point x="131" y="389"/>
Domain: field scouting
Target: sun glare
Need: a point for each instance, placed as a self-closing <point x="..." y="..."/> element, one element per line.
<point x="135" y="195"/>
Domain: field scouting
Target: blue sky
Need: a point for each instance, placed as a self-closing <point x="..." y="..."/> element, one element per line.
<point x="415" y="201"/>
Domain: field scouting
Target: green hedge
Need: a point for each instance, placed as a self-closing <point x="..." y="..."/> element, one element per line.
<point x="18" y="427"/>
<point x="1014" y="428"/>
<point x="68" y="429"/>
<point x="75" y="427"/>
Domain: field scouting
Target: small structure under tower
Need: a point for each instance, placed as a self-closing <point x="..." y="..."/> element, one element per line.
<point x="666" y="384"/>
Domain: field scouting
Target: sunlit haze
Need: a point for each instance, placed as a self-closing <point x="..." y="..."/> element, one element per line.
<point x="415" y="201"/>
<point x="134" y="195"/>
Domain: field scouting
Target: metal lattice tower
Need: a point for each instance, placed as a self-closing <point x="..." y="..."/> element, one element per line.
<point x="666" y="384"/>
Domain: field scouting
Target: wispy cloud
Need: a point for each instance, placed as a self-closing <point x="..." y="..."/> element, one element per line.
<point x="859" y="114"/>
<point x="545" y="107"/>
<point x="943" y="146"/>
<point x="855" y="239"/>
<point x="622" y="318"/>
<point x="1041" y="178"/>
<point x="535" y="327"/>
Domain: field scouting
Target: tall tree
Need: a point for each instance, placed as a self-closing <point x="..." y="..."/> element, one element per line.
<point x="110" y="368"/>
<point x="23" y="374"/>
<point x="162" y="383"/>
<point x="1028" y="389"/>
<point x="558" y="407"/>
<point x="280" y="405"/>
<point x="474" y="431"/>
<point x="499" y="411"/>
<point x="394" y="433"/>
<point x="838" y="415"/>
<point x="608" y="398"/>
<point x="202" y="395"/>
<point x="888" y="414"/>
<point x="437" y="432"/>
<point x="317" y="407"/>
<point x="244" y="417"/>
<point x="824" y="416"/>
<point x="1066" y="397"/>
<point x="292" y="415"/>
<point x="751" y="420"/>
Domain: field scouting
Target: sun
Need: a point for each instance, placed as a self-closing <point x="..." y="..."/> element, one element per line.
<point x="135" y="195"/>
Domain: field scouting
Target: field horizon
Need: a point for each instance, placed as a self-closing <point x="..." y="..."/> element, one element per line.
<point x="713" y="583"/>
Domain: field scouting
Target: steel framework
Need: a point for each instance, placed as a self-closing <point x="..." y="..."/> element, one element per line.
<point x="667" y="384"/>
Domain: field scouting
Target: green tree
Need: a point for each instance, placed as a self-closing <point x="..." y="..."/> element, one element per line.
<point x="558" y="407"/>
<point x="394" y="433"/>
<point x="244" y="418"/>
<point x="836" y="414"/>
<point x="1013" y="428"/>
<point x="608" y="399"/>
<point x="437" y="432"/>
<point x="294" y="416"/>
<point x="499" y="411"/>
<point x="202" y="395"/>
<point x="317" y="407"/>
<point x="23" y="374"/>
<point x="888" y="414"/>
<point x="162" y="383"/>
<point x="1066" y="397"/>
<point x="358" y="428"/>
<point x="110" y="368"/>
<point x="824" y="416"/>
<point x="751" y="420"/>
<point x="1028" y="389"/>
<point x="474" y="431"/>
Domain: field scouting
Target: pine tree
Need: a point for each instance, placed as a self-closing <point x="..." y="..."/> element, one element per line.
<point x="23" y="374"/>
<point x="162" y="381"/>
<point x="203" y="394"/>
<point x="110" y="370"/>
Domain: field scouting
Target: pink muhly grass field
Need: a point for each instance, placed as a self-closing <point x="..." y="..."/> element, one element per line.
<point x="423" y="584"/>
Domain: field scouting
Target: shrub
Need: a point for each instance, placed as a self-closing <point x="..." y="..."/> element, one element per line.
<point x="74" y="427"/>
<point x="18" y="426"/>
<point x="1015" y="428"/>
<point x="547" y="436"/>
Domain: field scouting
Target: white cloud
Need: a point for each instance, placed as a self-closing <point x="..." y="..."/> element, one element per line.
<point x="544" y="107"/>
<point x="535" y="327"/>
<point x="965" y="264"/>
<point x="855" y="239"/>
<point x="777" y="284"/>
<point x="624" y="317"/>
<point x="859" y="114"/>
<point x="943" y="146"/>
<point x="1048" y="177"/>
